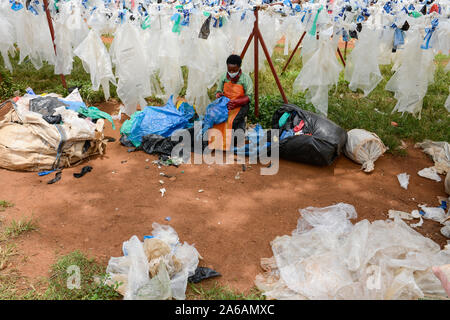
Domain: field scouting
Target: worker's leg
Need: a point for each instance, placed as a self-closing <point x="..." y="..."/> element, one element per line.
<point x="240" y="120"/>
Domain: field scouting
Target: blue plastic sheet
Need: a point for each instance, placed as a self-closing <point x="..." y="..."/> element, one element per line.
<point x="255" y="145"/>
<point x="163" y="121"/>
<point x="216" y="112"/>
<point x="74" y="105"/>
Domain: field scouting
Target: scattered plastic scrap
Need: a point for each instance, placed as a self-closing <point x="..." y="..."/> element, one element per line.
<point x="56" y="178"/>
<point x="156" y="269"/>
<point x="168" y="218"/>
<point x="85" y="170"/>
<point x="433" y="213"/>
<point x="445" y="230"/>
<point x="44" y="173"/>
<point x="328" y="257"/>
<point x="364" y="147"/>
<point x="403" y="178"/>
<point x="429" y="173"/>
<point x="200" y="191"/>
<point x="400" y="214"/>
<point x="175" y="161"/>
<point x="202" y="273"/>
<point x="418" y="224"/>
<point x="440" y="153"/>
<point x="237" y="177"/>
<point x="163" y="191"/>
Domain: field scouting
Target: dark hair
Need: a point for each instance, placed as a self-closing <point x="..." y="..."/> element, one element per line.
<point x="234" y="59"/>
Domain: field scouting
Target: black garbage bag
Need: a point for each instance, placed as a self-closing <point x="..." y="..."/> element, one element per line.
<point x="156" y="144"/>
<point x="202" y="273"/>
<point x="320" y="144"/>
<point x="53" y="119"/>
<point x="45" y="105"/>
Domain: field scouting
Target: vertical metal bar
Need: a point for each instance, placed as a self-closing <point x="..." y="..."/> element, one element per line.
<point x="269" y="60"/>
<point x="256" y="71"/>
<point x="247" y="44"/>
<point x="293" y="52"/>
<point x="52" y="33"/>
<point x="340" y="56"/>
<point x="345" y="50"/>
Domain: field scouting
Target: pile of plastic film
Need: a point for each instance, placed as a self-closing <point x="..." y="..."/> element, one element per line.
<point x="328" y="257"/>
<point x="156" y="269"/>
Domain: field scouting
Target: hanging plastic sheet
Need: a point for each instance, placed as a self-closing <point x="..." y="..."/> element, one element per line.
<point x="96" y="61"/>
<point x="319" y="73"/>
<point x="414" y="73"/>
<point x="362" y="69"/>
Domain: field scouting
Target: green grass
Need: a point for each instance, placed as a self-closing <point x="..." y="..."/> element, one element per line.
<point x="16" y="228"/>
<point x="196" y="292"/>
<point x="88" y="290"/>
<point x="346" y="108"/>
<point x="5" y="204"/>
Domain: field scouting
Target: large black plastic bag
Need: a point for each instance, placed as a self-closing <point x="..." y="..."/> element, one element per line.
<point x="321" y="148"/>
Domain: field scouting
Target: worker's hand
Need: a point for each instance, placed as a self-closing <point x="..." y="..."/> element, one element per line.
<point x="239" y="102"/>
<point x="218" y="95"/>
<point x="231" y="105"/>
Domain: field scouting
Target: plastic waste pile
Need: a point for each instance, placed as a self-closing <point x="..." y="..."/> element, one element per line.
<point x="49" y="132"/>
<point x="329" y="257"/>
<point x="157" y="124"/>
<point x="156" y="269"/>
<point x="164" y="36"/>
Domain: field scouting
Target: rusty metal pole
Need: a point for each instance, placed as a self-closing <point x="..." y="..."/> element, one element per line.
<point x="256" y="71"/>
<point x="52" y="33"/>
<point x="293" y="52"/>
<point x="247" y="44"/>
<point x="345" y="50"/>
<point x="340" y="56"/>
<point x="269" y="60"/>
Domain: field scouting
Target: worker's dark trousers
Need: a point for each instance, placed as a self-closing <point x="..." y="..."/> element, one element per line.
<point x="239" y="121"/>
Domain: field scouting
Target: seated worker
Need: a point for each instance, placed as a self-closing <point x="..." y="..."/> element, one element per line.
<point x="238" y="87"/>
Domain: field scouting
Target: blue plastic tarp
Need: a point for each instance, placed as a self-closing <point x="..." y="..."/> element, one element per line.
<point x="163" y="121"/>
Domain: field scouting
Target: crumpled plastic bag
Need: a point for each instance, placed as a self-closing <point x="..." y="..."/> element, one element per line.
<point x="328" y="257"/>
<point x="157" y="269"/>
<point x="439" y="151"/>
<point x="163" y="121"/>
<point x="216" y="112"/>
<point x="364" y="147"/>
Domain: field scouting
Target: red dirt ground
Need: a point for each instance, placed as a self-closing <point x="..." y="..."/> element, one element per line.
<point x="231" y="223"/>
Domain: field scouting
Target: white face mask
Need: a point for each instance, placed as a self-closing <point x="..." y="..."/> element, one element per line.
<point x="233" y="74"/>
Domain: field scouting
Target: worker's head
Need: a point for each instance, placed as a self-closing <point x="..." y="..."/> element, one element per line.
<point x="234" y="63"/>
